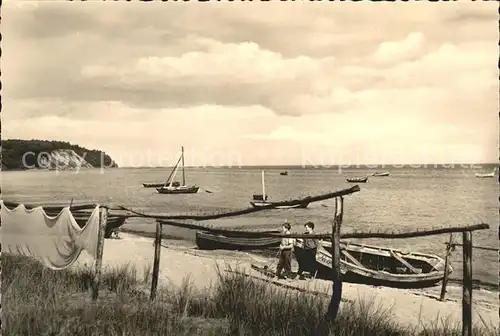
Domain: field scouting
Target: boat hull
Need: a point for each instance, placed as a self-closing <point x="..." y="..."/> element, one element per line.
<point x="153" y="185"/>
<point x="357" y="180"/>
<point x="377" y="266"/>
<point x="381" y="174"/>
<point x="485" y="175"/>
<point x="178" y="190"/>
<point x="257" y="204"/>
<point x="210" y="241"/>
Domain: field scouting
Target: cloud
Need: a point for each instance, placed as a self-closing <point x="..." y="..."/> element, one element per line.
<point x="393" y="51"/>
<point x="335" y="77"/>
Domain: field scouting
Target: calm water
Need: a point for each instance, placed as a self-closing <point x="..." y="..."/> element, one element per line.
<point x="406" y="200"/>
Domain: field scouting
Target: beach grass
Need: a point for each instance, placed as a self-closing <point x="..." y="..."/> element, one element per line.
<point x="40" y="301"/>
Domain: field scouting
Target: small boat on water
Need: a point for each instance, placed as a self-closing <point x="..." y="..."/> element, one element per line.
<point x="382" y="266"/>
<point x="176" y="188"/>
<point x="159" y="185"/>
<point x="486" y="175"/>
<point x="284" y="173"/>
<point x="357" y="179"/>
<point x="234" y="241"/>
<point x="261" y="200"/>
<point x="381" y="174"/>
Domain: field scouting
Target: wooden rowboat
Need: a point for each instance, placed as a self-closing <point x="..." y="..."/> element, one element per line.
<point x="234" y="241"/>
<point x="382" y="266"/>
<point x="357" y="179"/>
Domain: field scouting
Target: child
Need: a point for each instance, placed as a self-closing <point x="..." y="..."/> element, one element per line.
<point x="307" y="259"/>
<point x="285" y="258"/>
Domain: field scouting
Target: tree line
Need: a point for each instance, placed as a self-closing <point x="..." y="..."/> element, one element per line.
<point x="13" y="151"/>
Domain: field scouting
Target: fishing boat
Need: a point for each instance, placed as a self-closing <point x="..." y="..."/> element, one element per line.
<point x="284" y="173"/>
<point x="381" y="174"/>
<point x="234" y="241"/>
<point x="376" y="265"/>
<point x="261" y="200"/>
<point x="357" y="179"/>
<point x="176" y="188"/>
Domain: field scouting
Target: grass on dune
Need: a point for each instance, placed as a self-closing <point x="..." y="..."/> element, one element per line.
<point x="40" y="301"/>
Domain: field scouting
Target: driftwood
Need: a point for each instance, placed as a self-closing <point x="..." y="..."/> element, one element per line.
<point x="201" y="217"/>
<point x="328" y="235"/>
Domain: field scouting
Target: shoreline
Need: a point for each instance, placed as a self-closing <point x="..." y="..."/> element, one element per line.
<point x="180" y="240"/>
<point x="180" y="262"/>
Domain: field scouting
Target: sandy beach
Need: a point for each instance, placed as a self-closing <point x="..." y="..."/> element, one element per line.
<point x="180" y="261"/>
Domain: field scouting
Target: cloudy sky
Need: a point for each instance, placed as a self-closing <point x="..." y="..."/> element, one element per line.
<point x="255" y="83"/>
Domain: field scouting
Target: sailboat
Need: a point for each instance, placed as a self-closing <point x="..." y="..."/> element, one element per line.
<point x="176" y="187"/>
<point x="164" y="184"/>
<point x="261" y="200"/>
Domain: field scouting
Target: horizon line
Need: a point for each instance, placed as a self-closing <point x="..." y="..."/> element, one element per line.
<point x="344" y="166"/>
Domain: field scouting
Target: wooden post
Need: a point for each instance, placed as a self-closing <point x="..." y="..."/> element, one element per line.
<point x="446" y="268"/>
<point x="467" y="285"/>
<point x="156" y="264"/>
<point x="333" y="308"/>
<point x="100" y="249"/>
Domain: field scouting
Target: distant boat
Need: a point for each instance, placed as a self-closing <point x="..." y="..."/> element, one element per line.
<point x="166" y="183"/>
<point x="235" y="241"/>
<point x="261" y="200"/>
<point x="381" y="174"/>
<point x="284" y="173"/>
<point x="357" y="179"/>
<point x="486" y="175"/>
<point x="177" y="188"/>
<point x="159" y="185"/>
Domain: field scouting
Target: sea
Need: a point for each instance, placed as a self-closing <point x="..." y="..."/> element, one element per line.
<point x="410" y="198"/>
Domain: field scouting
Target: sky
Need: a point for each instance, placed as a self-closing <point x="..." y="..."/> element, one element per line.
<point x="255" y="83"/>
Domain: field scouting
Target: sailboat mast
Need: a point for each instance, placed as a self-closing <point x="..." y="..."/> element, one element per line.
<point x="183" y="171"/>
<point x="263" y="187"/>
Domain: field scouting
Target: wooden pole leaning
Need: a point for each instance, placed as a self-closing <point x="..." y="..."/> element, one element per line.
<point x="446" y="268"/>
<point x="100" y="250"/>
<point x="156" y="263"/>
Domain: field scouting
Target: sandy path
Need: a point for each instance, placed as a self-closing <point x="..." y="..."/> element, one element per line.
<point x="178" y="262"/>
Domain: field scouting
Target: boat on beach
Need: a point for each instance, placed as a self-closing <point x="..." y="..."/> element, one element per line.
<point x="260" y="200"/>
<point x="384" y="266"/>
<point x="380" y="174"/>
<point x="176" y="188"/>
<point x="357" y="179"/>
<point x="235" y="241"/>
<point x="284" y="173"/>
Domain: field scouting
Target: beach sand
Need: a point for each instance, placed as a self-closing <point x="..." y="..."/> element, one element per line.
<point x="180" y="260"/>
